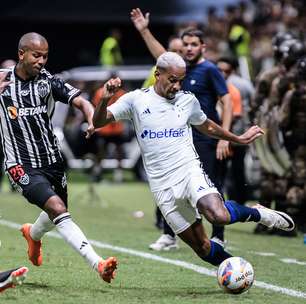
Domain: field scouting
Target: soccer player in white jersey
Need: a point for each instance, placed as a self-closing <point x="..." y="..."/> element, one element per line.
<point x="33" y="161"/>
<point x="162" y="116"/>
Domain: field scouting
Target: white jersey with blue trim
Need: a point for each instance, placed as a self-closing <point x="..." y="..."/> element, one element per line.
<point x="163" y="130"/>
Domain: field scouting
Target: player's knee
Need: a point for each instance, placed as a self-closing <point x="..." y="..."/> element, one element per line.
<point x="55" y="207"/>
<point x="219" y="217"/>
<point x="60" y="209"/>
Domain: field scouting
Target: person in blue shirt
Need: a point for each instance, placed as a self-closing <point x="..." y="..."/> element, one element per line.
<point x="207" y="83"/>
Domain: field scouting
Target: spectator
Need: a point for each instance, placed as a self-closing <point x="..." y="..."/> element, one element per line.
<point x="110" y="53"/>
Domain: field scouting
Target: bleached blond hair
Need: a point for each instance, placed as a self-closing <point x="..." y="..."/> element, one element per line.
<point x="170" y="59"/>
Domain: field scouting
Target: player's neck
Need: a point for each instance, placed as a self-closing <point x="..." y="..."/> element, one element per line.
<point x="157" y="90"/>
<point x="21" y="73"/>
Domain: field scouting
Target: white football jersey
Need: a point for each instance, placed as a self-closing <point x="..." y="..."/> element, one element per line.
<point x="163" y="130"/>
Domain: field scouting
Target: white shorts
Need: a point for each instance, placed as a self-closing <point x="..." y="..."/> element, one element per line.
<point x="178" y="203"/>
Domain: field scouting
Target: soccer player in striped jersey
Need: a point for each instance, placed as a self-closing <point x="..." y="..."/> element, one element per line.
<point x="32" y="157"/>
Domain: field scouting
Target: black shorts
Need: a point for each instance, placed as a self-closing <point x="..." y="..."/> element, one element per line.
<point x="37" y="185"/>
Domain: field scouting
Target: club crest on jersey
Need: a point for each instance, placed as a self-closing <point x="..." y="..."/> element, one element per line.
<point x="43" y="88"/>
<point x="24" y="180"/>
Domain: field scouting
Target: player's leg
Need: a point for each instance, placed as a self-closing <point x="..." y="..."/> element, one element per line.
<point x="206" y="249"/>
<point x="32" y="184"/>
<point x="205" y="197"/>
<point x="223" y="213"/>
<point x="185" y="221"/>
<point x="57" y="209"/>
<point x="74" y="236"/>
<point x="41" y="226"/>
<point x="214" y="169"/>
<point x="39" y="191"/>
<point x="159" y="219"/>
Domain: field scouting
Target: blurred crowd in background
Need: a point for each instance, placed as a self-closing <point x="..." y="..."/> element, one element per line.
<point x="259" y="46"/>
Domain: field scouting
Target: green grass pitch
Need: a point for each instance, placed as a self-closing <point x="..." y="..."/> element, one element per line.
<point x="108" y="217"/>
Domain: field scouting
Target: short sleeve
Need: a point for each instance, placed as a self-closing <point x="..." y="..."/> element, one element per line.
<point x="122" y="108"/>
<point x="197" y="116"/>
<point x="218" y="81"/>
<point x="62" y="91"/>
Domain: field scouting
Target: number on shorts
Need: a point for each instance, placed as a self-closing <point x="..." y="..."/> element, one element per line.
<point x="16" y="173"/>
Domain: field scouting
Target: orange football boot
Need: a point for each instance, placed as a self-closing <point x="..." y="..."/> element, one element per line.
<point x="106" y="269"/>
<point x="34" y="247"/>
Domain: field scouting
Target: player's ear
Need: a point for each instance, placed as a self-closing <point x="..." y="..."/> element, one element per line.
<point x="21" y="54"/>
<point x="157" y="73"/>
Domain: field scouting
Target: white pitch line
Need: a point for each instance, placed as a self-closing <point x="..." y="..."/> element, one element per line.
<point x="265" y="254"/>
<point x="149" y="256"/>
<point x="293" y="261"/>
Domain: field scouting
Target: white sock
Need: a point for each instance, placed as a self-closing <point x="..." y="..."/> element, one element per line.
<point x="73" y="235"/>
<point x="41" y="226"/>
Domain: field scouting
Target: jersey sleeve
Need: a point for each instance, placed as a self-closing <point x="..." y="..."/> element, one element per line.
<point x="197" y="116"/>
<point x="218" y="81"/>
<point x="122" y="108"/>
<point x="62" y="91"/>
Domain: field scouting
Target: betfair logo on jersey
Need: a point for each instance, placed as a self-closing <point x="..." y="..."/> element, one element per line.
<point x="15" y="112"/>
<point x="166" y="133"/>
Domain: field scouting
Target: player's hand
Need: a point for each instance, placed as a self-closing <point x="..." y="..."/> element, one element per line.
<point x="111" y="87"/>
<point x="223" y="150"/>
<point x="90" y="130"/>
<point x="3" y="83"/>
<point x="250" y="135"/>
<point x="140" y="21"/>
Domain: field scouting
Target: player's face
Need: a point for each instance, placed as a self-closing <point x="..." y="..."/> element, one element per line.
<point x="169" y="81"/>
<point x="192" y="49"/>
<point x="34" y="58"/>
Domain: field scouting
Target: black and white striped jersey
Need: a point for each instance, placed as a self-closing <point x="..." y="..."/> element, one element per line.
<point x="26" y="109"/>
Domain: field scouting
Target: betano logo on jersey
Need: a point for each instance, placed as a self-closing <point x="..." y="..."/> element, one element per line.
<point x="166" y="133"/>
<point x="15" y="112"/>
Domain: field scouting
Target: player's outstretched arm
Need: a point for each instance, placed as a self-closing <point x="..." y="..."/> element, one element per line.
<point x="141" y="23"/>
<point x="101" y="116"/>
<point x="3" y="83"/>
<point x="210" y="128"/>
<point x="88" y="110"/>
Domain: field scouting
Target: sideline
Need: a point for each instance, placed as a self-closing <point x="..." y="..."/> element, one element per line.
<point x="149" y="256"/>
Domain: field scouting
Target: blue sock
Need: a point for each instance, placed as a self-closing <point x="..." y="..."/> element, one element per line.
<point x="241" y="213"/>
<point x="217" y="254"/>
<point x="218" y="231"/>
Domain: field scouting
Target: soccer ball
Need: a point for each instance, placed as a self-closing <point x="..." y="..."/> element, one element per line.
<point x="235" y="275"/>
